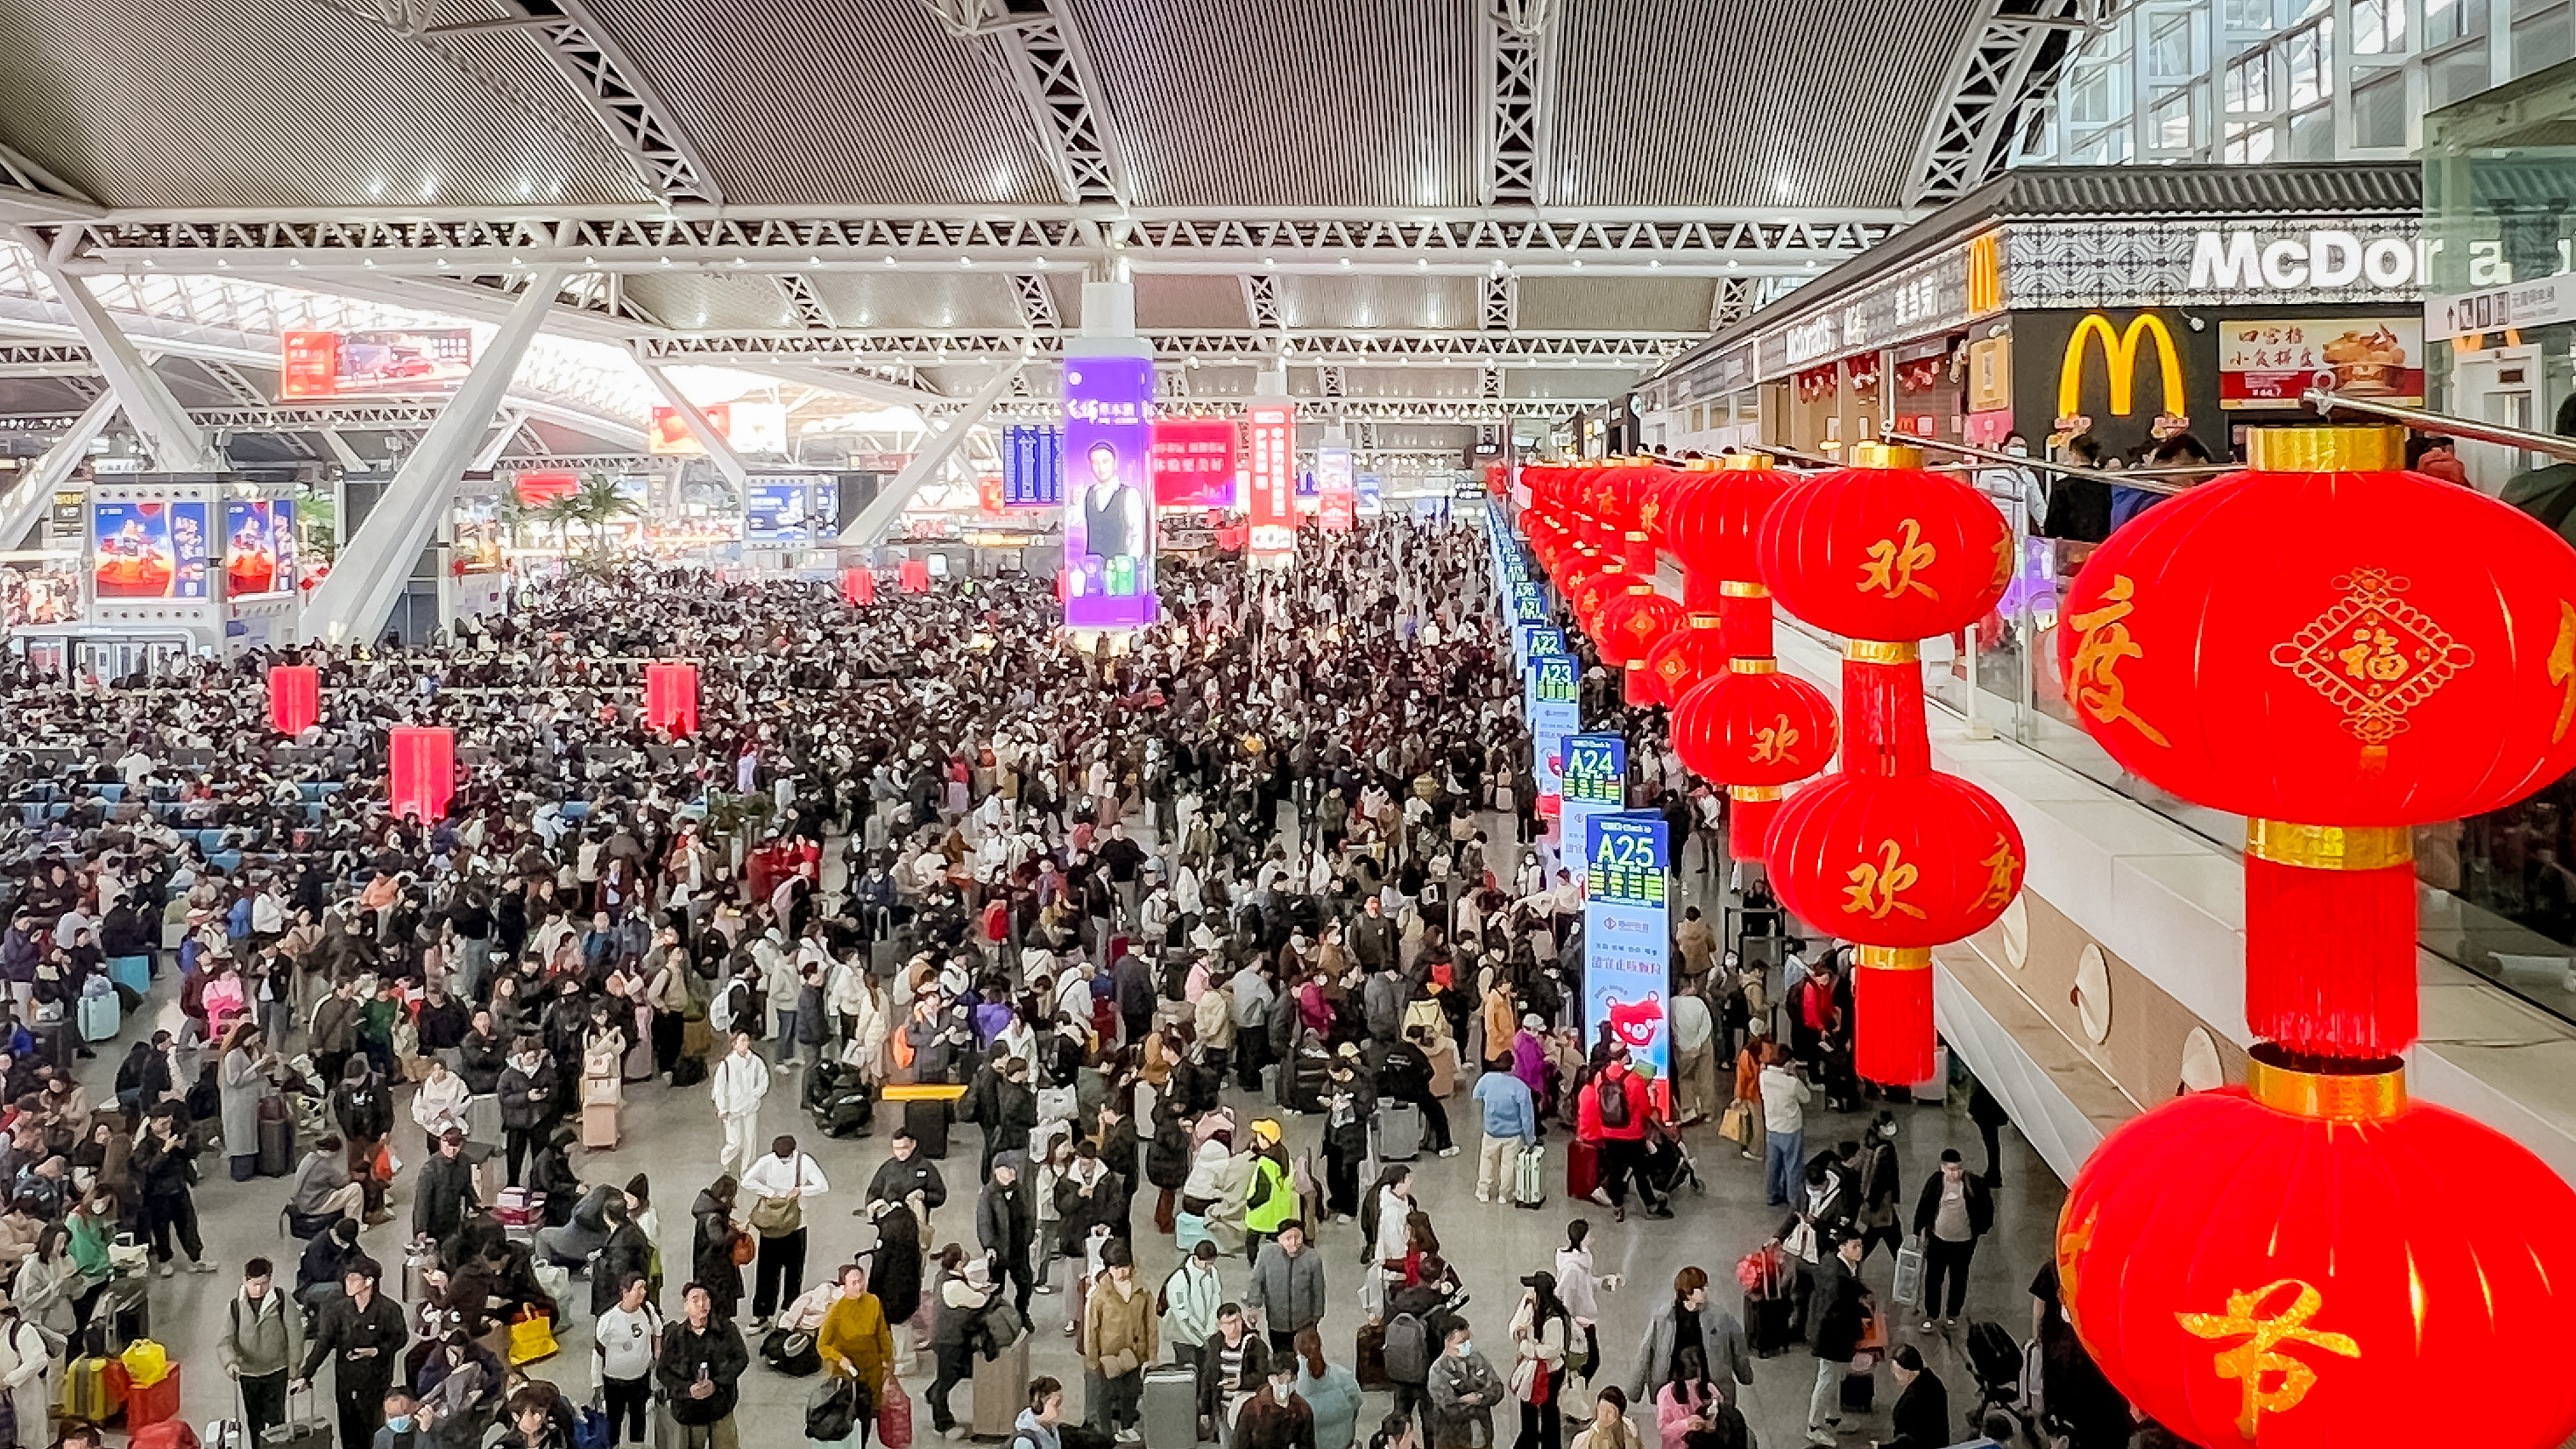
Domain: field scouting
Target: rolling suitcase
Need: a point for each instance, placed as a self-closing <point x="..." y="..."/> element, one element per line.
<point x="1170" y="1412"/>
<point x="1399" y="1131"/>
<point x="599" y="1125"/>
<point x="1769" y="1324"/>
<point x="100" y="1017"/>
<point x="56" y="1043"/>
<point x="1302" y="1081"/>
<point x="1529" y="1177"/>
<point x="1002" y="1390"/>
<point x="1859" y="1392"/>
<point x="154" y="1402"/>
<point x="1582" y="1170"/>
<point x="1908" y="1289"/>
<point x="276" y="1147"/>
<point x="927" y="1121"/>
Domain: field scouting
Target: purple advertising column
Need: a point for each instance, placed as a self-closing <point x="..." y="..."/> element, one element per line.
<point x="1108" y="491"/>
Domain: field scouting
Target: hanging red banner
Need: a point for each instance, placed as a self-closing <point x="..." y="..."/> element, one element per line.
<point x="671" y="697"/>
<point x="294" y="697"/>
<point x="423" y="772"/>
<point x="858" y="586"/>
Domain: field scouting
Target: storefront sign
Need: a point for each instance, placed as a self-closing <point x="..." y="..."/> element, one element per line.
<point x="1593" y="781"/>
<point x="2268" y="364"/>
<point x="1932" y="295"/>
<point x="1627" y="939"/>
<point x="1108" y="512"/>
<point x="2068" y="266"/>
<point x="2120" y="355"/>
<point x="2250" y="259"/>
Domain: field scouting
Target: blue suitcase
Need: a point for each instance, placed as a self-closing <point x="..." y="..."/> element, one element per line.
<point x="134" y="973"/>
<point x="100" y="1017"/>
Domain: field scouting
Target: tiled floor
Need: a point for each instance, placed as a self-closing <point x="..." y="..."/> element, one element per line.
<point x="672" y="1136"/>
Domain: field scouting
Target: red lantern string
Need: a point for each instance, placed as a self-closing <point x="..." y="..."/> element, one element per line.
<point x="1889" y="853"/>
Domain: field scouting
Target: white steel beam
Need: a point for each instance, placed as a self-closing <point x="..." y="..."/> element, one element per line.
<point x="1036" y="301"/>
<point x="505" y="432"/>
<point x="1044" y="52"/>
<point x="176" y="443"/>
<point x="340" y="450"/>
<point x="933" y="454"/>
<point x="804" y="305"/>
<point x="1216" y="241"/>
<point x="1261" y="302"/>
<point x="35" y="491"/>
<point x="1359" y="347"/>
<point x="375" y="562"/>
<point x="1519" y="50"/>
<point x="718" y="447"/>
<point x="2008" y="61"/>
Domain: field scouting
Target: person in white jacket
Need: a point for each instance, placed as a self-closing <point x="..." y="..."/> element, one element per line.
<point x="779" y="985"/>
<point x="440" y="1103"/>
<point x="741" y="1081"/>
<point x="845" y="995"/>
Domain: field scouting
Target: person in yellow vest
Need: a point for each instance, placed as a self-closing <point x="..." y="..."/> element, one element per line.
<point x="1270" y="1196"/>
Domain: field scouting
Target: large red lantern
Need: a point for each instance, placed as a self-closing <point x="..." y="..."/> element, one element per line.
<point x="2402" y="657"/>
<point x="1886" y="553"/>
<point x="294" y="698"/>
<point x="1899" y="864"/>
<point x="1756" y="727"/>
<point x="2313" y="1263"/>
<point x="1715" y="513"/>
<point x="2307" y="1263"/>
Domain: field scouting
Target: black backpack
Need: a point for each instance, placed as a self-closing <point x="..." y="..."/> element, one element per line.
<point x="1613" y="1097"/>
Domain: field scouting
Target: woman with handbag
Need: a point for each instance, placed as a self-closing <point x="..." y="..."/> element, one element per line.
<point x="857" y="1343"/>
<point x="719" y="1250"/>
<point x="1542" y="1337"/>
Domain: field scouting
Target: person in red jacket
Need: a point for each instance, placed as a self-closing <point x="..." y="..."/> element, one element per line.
<point x="1610" y="1117"/>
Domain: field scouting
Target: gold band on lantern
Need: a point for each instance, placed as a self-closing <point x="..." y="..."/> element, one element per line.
<point x="1707" y="621"/>
<point x="2328" y="847"/>
<point x="1741" y="589"/>
<point x="1746" y="463"/>
<point x="1886" y="455"/>
<point x="1636" y="535"/>
<point x="2325" y="450"/>
<point x="2371" y="1091"/>
<point x="1881" y="651"/>
<point x="1754" y="794"/>
<point x="1753" y="664"/>
<point x="1895" y="958"/>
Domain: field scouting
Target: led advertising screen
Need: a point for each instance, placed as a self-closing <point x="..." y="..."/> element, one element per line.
<point x="1194" y="463"/>
<point x="1273" y="506"/>
<point x="282" y="541"/>
<point x="1627" y="967"/>
<point x="250" y="551"/>
<point x="749" y="427"/>
<point x="1032" y="467"/>
<point x="1108" y="506"/>
<point x="1336" y="491"/>
<point x="149" y="550"/>
<point x="789" y="512"/>
<point x="374" y="364"/>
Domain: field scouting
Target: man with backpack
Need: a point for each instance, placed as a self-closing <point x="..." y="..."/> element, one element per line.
<point x="1611" y="1117"/>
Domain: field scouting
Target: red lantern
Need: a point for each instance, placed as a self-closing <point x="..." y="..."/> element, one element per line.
<point x="1885" y="550"/>
<point x="294" y="698"/>
<point x="1715" y="518"/>
<point x="1885" y="553"/>
<point x="2402" y="659"/>
<point x="671" y="698"/>
<point x="858" y="586"/>
<point x="913" y="576"/>
<point x="1631" y="626"/>
<point x="1900" y="865"/>
<point x="1693" y="652"/>
<point x="1757" y="727"/>
<point x="422" y="771"/>
<point x="2313" y="1263"/>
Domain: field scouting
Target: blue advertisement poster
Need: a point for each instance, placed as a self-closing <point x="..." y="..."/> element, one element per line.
<point x="1109" y="505"/>
<point x="1627" y="936"/>
<point x="1555" y="711"/>
<point x="130" y="554"/>
<point x="778" y="514"/>
<point x="1592" y="781"/>
<point x="250" y="555"/>
<point x="1372" y="495"/>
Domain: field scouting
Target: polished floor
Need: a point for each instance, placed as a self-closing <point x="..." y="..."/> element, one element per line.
<point x="672" y="1135"/>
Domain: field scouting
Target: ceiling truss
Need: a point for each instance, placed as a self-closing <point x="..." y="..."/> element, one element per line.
<point x="1261" y="302"/>
<point x="1353" y="347"/>
<point x="1043" y="50"/>
<point x="1036" y="301"/>
<point x="2008" y="63"/>
<point x="504" y="247"/>
<point x="804" y="306"/>
<point x="1517" y="68"/>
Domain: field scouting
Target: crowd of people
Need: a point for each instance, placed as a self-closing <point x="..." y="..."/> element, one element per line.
<point x="1126" y="912"/>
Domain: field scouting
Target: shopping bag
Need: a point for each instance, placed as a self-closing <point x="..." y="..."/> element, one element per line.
<point x="1737" y="1125"/>
<point x="894" y="1416"/>
<point x="1909" y="1275"/>
<point x="1801" y="1241"/>
<point x="532" y="1337"/>
<point x="146" y="1363"/>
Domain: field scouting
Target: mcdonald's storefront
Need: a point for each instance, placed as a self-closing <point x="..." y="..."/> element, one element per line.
<point x="2091" y="309"/>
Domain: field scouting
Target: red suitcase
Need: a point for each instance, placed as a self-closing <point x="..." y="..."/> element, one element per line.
<point x="1582" y="1170"/>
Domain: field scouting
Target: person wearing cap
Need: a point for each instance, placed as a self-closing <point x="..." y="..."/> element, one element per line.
<point x="1006" y="1225"/>
<point x="1191" y="1297"/>
<point x="1622" y="1143"/>
<point x="1511" y="1126"/>
<point x="363" y="1335"/>
<point x="445" y="1185"/>
<point x="1117" y="1343"/>
<point x="1269" y="1193"/>
<point x="1287" y="1289"/>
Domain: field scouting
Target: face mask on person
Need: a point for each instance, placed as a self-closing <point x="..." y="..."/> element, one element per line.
<point x="399" y="1423"/>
